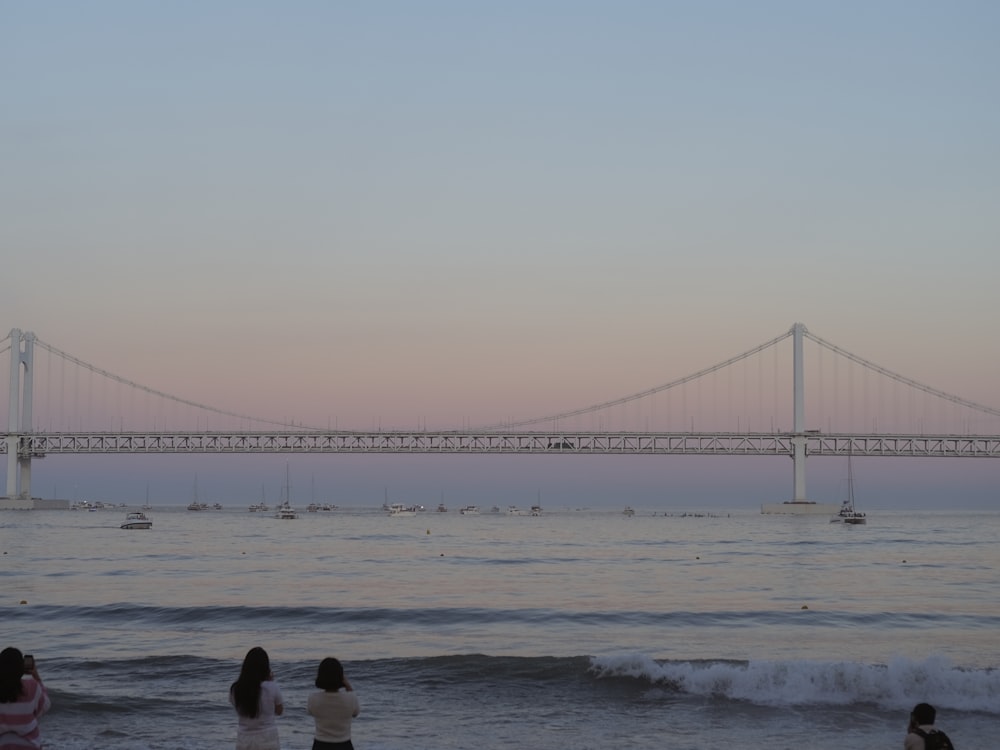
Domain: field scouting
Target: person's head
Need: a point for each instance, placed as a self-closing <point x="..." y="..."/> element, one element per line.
<point x="256" y="665"/>
<point x="924" y="713"/>
<point x="11" y="672"/>
<point x="246" y="690"/>
<point x="330" y="675"/>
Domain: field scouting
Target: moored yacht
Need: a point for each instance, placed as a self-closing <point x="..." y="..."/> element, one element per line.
<point x="286" y="512"/>
<point x="847" y="513"/>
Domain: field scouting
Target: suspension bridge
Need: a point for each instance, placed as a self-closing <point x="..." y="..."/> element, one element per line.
<point x="752" y="404"/>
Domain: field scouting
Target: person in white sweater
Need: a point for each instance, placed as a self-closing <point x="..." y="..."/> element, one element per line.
<point x="333" y="706"/>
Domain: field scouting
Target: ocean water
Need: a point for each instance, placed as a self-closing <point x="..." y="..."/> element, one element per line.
<point x="575" y="629"/>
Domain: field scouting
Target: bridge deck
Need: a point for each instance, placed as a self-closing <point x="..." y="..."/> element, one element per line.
<point x="36" y="445"/>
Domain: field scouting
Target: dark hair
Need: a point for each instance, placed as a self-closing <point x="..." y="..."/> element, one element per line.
<point x="924" y="713"/>
<point x="246" y="690"/>
<point x="330" y="675"/>
<point x="11" y="671"/>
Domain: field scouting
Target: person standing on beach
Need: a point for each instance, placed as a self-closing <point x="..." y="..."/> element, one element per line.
<point x="257" y="700"/>
<point x="23" y="699"/>
<point x="922" y="734"/>
<point x="332" y="706"/>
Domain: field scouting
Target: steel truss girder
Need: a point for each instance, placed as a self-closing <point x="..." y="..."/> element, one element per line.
<point x="37" y="445"/>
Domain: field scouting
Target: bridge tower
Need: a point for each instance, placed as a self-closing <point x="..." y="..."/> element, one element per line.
<point x="22" y="352"/>
<point x="799" y="426"/>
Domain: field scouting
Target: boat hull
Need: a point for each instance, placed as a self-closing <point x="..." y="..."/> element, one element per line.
<point x="800" y="508"/>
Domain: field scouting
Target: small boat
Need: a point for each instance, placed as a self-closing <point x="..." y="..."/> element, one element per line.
<point x="194" y="504"/>
<point x="312" y="508"/>
<point x="469" y="510"/>
<point x="262" y="506"/>
<point x="536" y="510"/>
<point x="442" y="508"/>
<point x="217" y="506"/>
<point x="848" y="513"/>
<point x="628" y="511"/>
<point x="495" y="509"/>
<point x="137" y="520"/>
<point x="286" y="512"/>
<point x="513" y="510"/>
<point x="398" y="509"/>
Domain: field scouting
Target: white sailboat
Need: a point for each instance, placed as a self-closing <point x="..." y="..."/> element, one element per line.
<point x="848" y="513"/>
<point x="195" y="503"/>
<point x="285" y="510"/>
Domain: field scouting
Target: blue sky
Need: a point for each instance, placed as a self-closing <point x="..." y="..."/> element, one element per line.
<point x="502" y="209"/>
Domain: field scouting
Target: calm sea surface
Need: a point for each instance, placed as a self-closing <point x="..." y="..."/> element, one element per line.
<point x="576" y="629"/>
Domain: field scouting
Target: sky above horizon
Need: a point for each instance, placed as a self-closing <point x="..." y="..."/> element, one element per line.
<point x="465" y="211"/>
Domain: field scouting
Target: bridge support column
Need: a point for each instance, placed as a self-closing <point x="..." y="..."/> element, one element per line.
<point x="799" y="427"/>
<point x="22" y="352"/>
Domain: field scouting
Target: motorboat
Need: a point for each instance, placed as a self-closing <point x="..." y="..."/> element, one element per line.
<point x="398" y="509"/>
<point x="442" y="508"/>
<point x="536" y="510"/>
<point x="259" y="508"/>
<point x="137" y="520"/>
<point x="628" y="511"/>
<point x="469" y="510"/>
<point x="312" y="508"/>
<point x="513" y="510"/>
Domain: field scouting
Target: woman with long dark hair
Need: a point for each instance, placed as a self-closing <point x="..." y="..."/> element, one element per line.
<point x="257" y="700"/>
<point x="22" y="700"/>
<point x="332" y="706"/>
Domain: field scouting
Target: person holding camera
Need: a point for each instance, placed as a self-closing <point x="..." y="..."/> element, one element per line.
<point x="332" y="707"/>
<point x="22" y="700"/>
<point x="921" y="734"/>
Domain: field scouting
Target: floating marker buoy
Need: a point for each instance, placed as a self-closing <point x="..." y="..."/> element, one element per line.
<point x="696" y="557"/>
<point x="804" y="607"/>
<point x="24" y="601"/>
<point x="428" y="531"/>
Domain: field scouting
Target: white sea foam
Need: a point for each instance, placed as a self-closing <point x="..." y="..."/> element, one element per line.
<point x="897" y="685"/>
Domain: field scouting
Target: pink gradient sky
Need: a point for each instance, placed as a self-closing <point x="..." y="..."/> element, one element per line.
<point x="455" y="214"/>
